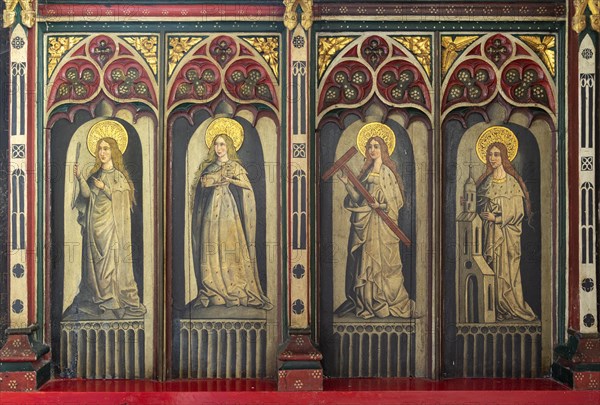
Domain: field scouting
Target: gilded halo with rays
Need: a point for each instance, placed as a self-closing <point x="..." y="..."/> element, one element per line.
<point x="225" y="126"/>
<point x="107" y="129"/>
<point x="375" y="129"/>
<point x="497" y="134"/>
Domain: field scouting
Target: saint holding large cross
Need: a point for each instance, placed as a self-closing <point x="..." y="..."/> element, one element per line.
<point x="374" y="283"/>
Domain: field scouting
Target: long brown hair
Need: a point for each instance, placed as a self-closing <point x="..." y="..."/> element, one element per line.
<point x="117" y="159"/>
<point x="508" y="168"/>
<point x="386" y="159"/>
<point x="212" y="155"/>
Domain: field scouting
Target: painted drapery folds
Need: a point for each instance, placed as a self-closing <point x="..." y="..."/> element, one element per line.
<point x="223" y="120"/>
<point x="215" y="190"/>
<point x="503" y="200"/>
<point x="375" y="283"/>
<point x="374" y="97"/>
<point x="505" y="116"/>
<point x="101" y="114"/>
<point x="104" y="203"/>
<point x="224" y="224"/>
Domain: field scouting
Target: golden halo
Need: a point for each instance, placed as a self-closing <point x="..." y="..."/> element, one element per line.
<point x="375" y="129"/>
<point x="497" y="134"/>
<point x="107" y="129"/>
<point x="225" y="126"/>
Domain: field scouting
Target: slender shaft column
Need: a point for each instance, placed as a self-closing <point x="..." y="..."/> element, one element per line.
<point x="301" y="368"/>
<point x="578" y="360"/>
<point x="24" y="364"/>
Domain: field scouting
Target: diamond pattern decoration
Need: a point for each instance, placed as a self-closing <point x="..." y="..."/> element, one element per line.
<point x="299" y="150"/>
<point x="587" y="284"/>
<point x="587" y="163"/>
<point x="298" y="307"/>
<point x="589" y="320"/>
<point x="18" y="43"/>
<point x="18" y="270"/>
<point x="298" y="271"/>
<point x="18" y="151"/>
<point x="17" y="306"/>
<point x="298" y="41"/>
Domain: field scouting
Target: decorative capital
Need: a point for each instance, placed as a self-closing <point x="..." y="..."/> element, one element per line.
<point x="579" y="19"/>
<point x="290" y="18"/>
<point x="28" y="14"/>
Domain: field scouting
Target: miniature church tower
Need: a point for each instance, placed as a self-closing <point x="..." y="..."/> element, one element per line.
<point x="475" y="280"/>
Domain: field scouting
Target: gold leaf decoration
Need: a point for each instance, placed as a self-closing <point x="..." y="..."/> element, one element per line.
<point x="57" y="47"/>
<point x="147" y="47"/>
<point x="178" y="47"/>
<point x="290" y="17"/>
<point x="421" y="48"/>
<point x="544" y="48"/>
<point x="28" y="14"/>
<point x="452" y="48"/>
<point x="328" y="48"/>
<point x="268" y="47"/>
<point x="578" y="22"/>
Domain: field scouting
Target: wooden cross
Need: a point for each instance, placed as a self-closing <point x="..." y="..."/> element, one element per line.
<point x="341" y="165"/>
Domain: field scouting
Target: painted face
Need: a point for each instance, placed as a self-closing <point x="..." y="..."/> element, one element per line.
<point x="374" y="149"/>
<point x="494" y="157"/>
<point x="220" y="147"/>
<point x="104" y="152"/>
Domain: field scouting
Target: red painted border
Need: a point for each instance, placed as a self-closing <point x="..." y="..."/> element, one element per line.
<point x="336" y="391"/>
<point x="32" y="174"/>
<point x="470" y="10"/>
<point x="573" y="179"/>
<point x="124" y="12"/>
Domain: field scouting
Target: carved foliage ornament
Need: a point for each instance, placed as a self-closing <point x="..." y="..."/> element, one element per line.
<point x="579" y="21"/>
<point x="147" y="47"/>
<point x="290" y="18"/>
<point x="28" y="15"/>
<point x="178" y="47"/>
<point x="101" y="63"/>
<point x="452" y="49"/>
<point x="57" y="47"/>
<point x="328" y="48"/>
<point x="268" y="47"/>
<point x="420" y="47"/>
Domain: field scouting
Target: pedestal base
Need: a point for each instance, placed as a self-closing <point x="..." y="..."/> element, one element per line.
<point x="578" y="362"/>
<point x="300" y="368"/>
<point x="24" y="363"/>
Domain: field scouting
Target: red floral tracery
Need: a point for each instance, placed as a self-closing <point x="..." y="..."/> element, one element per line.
<point x="401" y="82"/>
<point x="349" y="83"/>
<point x="524" y="81"/>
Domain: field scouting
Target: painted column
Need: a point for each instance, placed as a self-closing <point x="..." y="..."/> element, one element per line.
<point x="24" y="364"/>
<point x="578" y="360"/>
<point x="301" y="368"/>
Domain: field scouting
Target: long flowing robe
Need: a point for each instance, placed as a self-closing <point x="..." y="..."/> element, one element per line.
<point x="107" y="282"/>
<point x="375" y="283"/>
<point x="223" y="240"/>
<point x="502" y="244"/>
